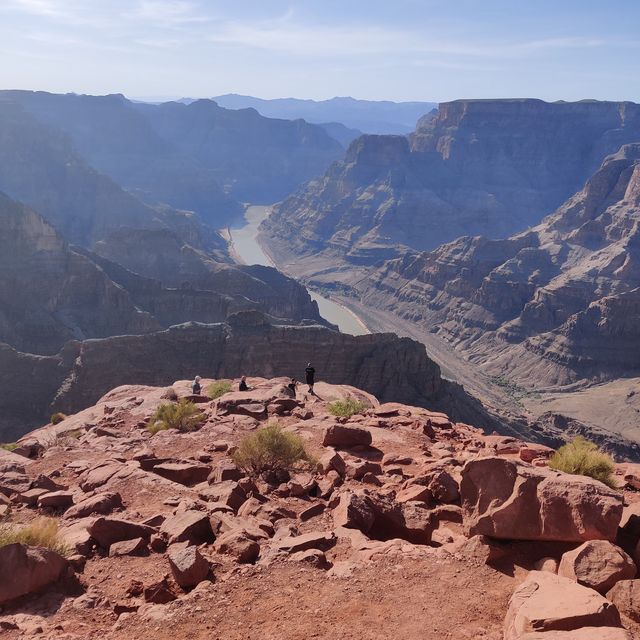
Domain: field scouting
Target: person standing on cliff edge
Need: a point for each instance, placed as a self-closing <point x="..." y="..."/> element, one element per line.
<point x="310" y="374"/>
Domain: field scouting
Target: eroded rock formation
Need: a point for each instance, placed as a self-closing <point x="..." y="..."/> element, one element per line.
<point x="478" y="167"/>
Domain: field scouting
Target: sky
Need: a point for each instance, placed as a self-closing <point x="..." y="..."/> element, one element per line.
<point x="372" y="49"/>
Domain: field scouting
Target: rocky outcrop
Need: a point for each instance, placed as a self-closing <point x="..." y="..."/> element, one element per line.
<point x="509" y="500"/>
<point x="313" y="524"/>
<point x="51" y="293"/>
<point x="27" y="570"/>
<point x="384" y="365"/>
<point x="548" y="307"/>
<point x="478" y="167"/>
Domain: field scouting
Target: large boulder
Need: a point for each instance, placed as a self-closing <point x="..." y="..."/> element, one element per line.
<point x="193" y="527"/>
<point x="381" y="518"/>
<point x="187" y="473"/>
<point x="546" y="602"/>
<point x="238" y="545"/>
<point x="26" y="570"/>
<point x="597" y="564"/>
<point x="509" y="499"/>
<point x="342" y="436"/>
<point x="188" y="566"/>
<point x="101" y="503"/>
<point x="106" y="531"/>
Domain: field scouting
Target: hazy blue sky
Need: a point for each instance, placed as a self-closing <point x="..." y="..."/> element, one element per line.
<point x="375" y="49"/>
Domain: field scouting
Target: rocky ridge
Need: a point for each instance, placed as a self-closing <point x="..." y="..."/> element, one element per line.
<point x="51" y="292"/>
<point x="248" y="343"/>
<point x="549" y="307"/>
<point x="168" y="536"/>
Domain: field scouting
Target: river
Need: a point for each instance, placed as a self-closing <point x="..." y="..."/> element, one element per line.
<point x="247" y="250"/>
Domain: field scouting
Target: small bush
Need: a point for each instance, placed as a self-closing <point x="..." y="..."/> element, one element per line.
<point x="347" y="407"/>
<point x="218" y="388"/>
<point x="183" y="416"/>
<point x="270" y="449"/>
<point x="584" y="458"/>
<point x="9" y="446"/>
<point x="42" y="532"/>
<point x="57" y="418"/>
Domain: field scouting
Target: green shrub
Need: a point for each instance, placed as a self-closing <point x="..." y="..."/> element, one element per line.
<point x="183" y="416"/>
<point x="57" y="417"/>
<point x="270" y="449"/>
<point x="218" y="388"/>
<point x="42" y="532"/>
<point x="347" y="407"/>
<point x="584" y="458"/>
<point x="9" y="446"/>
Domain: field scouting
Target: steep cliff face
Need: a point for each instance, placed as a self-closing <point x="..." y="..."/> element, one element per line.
<point x="478" y="167"/>
<point x="198" y="156"/>
<point x="40" y="167"/>
<point x="550" y="306"/>
<point x="383" y="364"/>
<point x="51" y="293"/>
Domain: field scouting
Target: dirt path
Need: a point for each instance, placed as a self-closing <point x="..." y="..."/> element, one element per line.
<point x="434" y="599"/>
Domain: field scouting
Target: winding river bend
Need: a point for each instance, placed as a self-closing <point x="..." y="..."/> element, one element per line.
<point x="247" y="250"/>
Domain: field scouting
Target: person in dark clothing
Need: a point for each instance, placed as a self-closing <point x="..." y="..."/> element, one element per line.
<point x="310" y="374"/>
<point x="243" y="384"/>
<point x="293" y="385"/>
<point x="196" y="389"/>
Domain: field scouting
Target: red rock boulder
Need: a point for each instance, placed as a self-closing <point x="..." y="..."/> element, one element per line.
<point x="342" y="436"/>
<point x="545" y="602"/>
<point x="26" y="570"/>
<point x="509" y="499"/>
<point x="597" y="564"/>
<point x="188" y="566"/>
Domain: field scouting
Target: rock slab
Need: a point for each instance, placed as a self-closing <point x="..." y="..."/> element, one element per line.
<point x="512" y="500"/>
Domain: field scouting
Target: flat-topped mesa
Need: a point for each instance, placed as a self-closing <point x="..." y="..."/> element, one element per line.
<point x="455" y="112"/>
<point x="476" y="167"/>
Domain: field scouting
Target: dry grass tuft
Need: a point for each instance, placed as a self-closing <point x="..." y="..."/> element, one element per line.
<point x="183" y="416"/>
<point x="347" y="407"/>
<point x="271" y="449"/>
<point x="584" y="458"/>
<point x="218" y="388"/>
<point x="42" y="532"/>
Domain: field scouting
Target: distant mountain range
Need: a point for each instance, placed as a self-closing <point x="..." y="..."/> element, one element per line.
<point x="366" y="116"/>
<point x="197" y="156"/>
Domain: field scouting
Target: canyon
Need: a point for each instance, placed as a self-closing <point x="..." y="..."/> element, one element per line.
<point x="476" y="167"/>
